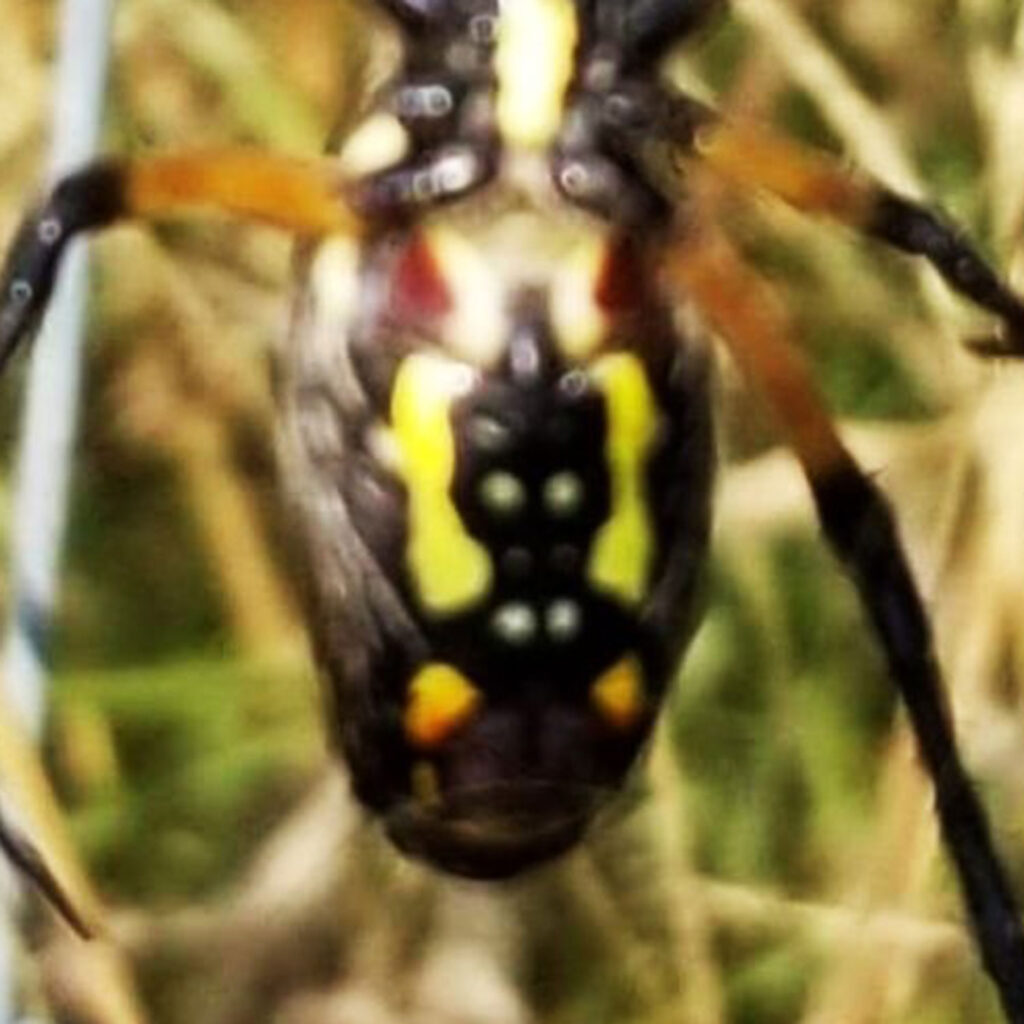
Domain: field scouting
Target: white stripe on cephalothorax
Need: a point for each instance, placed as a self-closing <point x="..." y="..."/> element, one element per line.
<point x="475" y="329"/>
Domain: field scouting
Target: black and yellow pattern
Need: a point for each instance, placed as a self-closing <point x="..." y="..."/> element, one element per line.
<point x="498" y="428"/>
<point x="513" y="500"/>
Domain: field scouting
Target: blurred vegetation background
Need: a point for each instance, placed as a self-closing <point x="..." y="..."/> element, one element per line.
<point x="776" y="861"/>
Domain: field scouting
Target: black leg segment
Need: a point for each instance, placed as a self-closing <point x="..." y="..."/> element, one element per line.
<point x="92" y="198"/>
<point x="861" y="529"/>
<point x="915" y="229"/>
<point x="305" y="198"/>
<point x="818" y="184"/>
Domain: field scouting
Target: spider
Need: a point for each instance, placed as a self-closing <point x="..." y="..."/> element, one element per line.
<point x="498" y="435"/>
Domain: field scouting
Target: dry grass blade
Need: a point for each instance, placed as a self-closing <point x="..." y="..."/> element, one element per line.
<point x="94" y="977"/>
<point x="26" y="857"/>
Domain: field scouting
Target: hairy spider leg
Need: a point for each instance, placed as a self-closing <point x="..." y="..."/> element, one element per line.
<point x="816" y="183"/>
<point x="861" y="530"/>
<point x="303" y="197"/>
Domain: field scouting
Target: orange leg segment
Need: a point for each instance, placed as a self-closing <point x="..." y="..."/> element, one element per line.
<point x="804" y="178"/>
<point x="304" y="198"/>
<point x="752" y="323"/>
<point x="815" y="183"/>
<point x="298" y="196"/>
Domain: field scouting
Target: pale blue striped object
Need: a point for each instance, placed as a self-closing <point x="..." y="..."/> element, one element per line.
<point x="50" y="412"/>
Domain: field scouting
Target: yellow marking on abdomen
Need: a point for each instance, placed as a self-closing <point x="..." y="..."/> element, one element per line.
<point x="618" y="694"/>
<point x="449" y="569"/>
<point x="441" y="701"/>
<point x="620" y="558"/>
<point x="533" y="62"/>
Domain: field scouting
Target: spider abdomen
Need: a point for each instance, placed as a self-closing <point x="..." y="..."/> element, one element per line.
<point x="514" y="484"/>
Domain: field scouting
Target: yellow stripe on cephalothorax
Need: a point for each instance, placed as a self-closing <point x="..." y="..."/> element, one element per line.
<point x="620" y="558"/>
<point x="449" y="569"/>
<point x="533" y="62"/>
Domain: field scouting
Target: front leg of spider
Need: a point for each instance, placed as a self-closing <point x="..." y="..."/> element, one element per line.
<point x="301" y="197"/>
<point x="297" y="196"/>
<point x="861" y="530"/>
<point x="914" y="229"/>
<point x="815" y="183"/>
<point x="860" y="527"/>
<point x="88" y="199"/>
